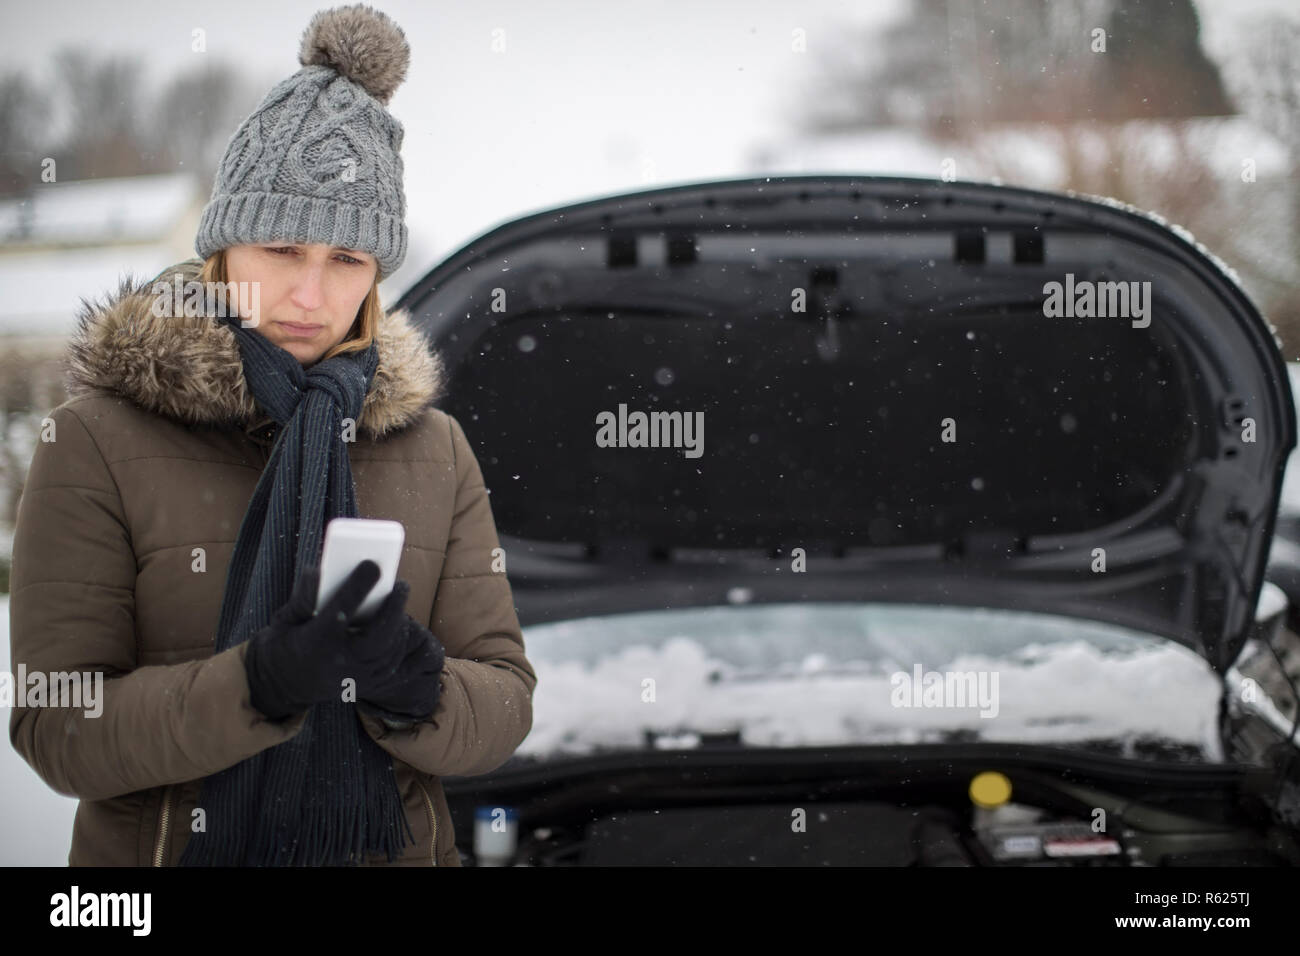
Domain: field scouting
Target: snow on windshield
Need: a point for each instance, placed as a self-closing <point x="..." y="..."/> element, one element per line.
<point x="827" y="675"/>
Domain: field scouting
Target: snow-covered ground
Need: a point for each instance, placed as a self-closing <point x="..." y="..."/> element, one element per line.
<point x="35" y="822"/>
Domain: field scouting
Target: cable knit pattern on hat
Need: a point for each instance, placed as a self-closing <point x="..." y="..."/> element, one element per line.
<point x="319" y="160"/>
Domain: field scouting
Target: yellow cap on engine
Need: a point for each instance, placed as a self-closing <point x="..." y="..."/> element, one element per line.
<point x="990" y="789"/>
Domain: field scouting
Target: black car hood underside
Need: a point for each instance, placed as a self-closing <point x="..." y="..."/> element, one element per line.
<point x="882" y="397"/>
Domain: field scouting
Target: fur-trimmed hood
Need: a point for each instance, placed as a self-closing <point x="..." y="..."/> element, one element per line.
<point x="189" y="369"/>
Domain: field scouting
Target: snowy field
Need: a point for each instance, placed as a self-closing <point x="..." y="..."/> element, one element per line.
<point x="35" y="822"/>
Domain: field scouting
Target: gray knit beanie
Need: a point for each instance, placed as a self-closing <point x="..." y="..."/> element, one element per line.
<point x="318" y="161"/>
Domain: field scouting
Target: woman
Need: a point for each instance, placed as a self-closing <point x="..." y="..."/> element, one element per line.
<point x="170" y="530"/>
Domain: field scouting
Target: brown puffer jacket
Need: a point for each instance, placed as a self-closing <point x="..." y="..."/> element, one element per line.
<point x="124" y="532"/>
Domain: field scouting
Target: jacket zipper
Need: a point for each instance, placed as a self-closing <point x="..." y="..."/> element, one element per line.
<point x="161" y="843"/>
<point x="433" y="823"/>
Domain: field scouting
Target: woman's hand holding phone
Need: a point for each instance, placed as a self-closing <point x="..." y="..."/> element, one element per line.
<point x="411" y="693"/>
<point x="301" y="659"/>
<point x="407" y="691"/>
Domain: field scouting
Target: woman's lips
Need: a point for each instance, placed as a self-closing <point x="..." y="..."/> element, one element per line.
<point x="304" y="331"/>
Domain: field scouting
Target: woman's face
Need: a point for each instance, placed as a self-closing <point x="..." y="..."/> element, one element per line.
<point x="308" y="294"/>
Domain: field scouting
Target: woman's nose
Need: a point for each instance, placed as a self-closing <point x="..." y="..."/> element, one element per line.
<point x="307" y="293"/>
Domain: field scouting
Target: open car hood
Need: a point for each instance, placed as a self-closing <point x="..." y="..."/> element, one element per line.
<point x="889" y="411"/>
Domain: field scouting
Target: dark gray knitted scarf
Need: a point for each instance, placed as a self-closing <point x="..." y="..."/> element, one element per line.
<point x="328" y="796"/>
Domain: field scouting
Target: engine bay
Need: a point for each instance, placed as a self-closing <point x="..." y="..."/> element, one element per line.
<point x="697" y="810"/>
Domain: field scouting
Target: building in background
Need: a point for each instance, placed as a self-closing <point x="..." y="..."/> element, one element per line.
<point x="59" y="244"/>
<point x="67" y="241"/>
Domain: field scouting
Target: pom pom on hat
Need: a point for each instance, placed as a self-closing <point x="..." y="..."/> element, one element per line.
<point x="362" y="44"/>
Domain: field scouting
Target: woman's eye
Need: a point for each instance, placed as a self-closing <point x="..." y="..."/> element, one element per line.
<point x="291" y="250"/>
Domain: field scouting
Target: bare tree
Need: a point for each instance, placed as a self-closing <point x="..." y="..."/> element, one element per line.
<point x="23" y="106"/>
<point x="1155" y="66"/>
<point x="96" y="121"/>
<point x="102" y="103"/>
<point x="196" y="116"/>
<point x="1265" y="77"/>
<point x="948" y="66"/>
<point x="1268" y="77"/>
<point x="1094" y="89"/>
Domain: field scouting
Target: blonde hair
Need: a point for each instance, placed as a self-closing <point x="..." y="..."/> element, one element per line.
<point x="364" y="327"/>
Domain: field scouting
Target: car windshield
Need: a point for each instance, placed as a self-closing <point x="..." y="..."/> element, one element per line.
<point x="807" y="675"/>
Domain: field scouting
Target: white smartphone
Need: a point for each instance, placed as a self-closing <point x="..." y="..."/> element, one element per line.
<point x="348" y="542"/>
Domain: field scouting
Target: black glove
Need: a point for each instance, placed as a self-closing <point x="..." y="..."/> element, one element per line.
<point x="409" y="691"/>
<point x="300" y="659"/>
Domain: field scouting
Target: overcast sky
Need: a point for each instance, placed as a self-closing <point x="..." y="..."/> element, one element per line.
<point x="589" y="97"/>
